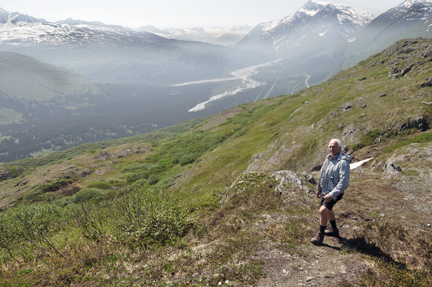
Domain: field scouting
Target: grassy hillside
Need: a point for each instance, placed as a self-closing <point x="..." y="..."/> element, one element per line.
<point x="195" y="204"/>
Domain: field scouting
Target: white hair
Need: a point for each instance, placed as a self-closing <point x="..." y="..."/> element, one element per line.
<point x="338" y="142"/>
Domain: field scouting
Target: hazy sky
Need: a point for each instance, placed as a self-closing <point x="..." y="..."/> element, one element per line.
<point x="180" y="13"/>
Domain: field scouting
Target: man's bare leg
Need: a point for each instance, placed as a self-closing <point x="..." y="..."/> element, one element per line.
<point x="325" y="213"/>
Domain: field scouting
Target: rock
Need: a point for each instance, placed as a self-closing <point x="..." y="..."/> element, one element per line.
<point x="103" y="155"/>
<point x="383" y="95"/>
<point x="391" y="168"/>
<point x="420" y="124"/>
<point x="428" y="225"/>
<point x="362" y="79"/>
<point x="364" y="106"/>
<point x="317" y="167"/>
<point x="288" y="179"/>
<point x="397" y="72"/>
<point x="428" y="83"/>
<point x="309" y="178"/>
<point x="346" y="106"/>
<point x="340" y="125"/>
<point x="308" y="279"/>
<point x="350" y="135"/>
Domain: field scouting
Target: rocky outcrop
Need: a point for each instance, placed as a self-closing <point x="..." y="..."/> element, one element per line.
<point x="391" y="168"/>
<point x="289" y="180"/>
<point x="5" y="174"/>
<point x="428" y="83"/>
<point x="419" y="123"/>
<point x="350" y="135"/>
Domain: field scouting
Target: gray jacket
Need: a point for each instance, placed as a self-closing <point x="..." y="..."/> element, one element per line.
<point x="336" y="177"/>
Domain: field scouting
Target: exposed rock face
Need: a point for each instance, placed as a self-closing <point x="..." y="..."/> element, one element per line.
<point x="5" y="174"/>
<point x="391" y="168"/>
<point x="350" y="135"/>
<point x="428" y="83"/>
<point x="289" y="179"/>
<point x="419" y="123"/>
<point x="346" y="106"/>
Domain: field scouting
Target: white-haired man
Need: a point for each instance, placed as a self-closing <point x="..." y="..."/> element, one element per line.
<point x="333" y="180"/>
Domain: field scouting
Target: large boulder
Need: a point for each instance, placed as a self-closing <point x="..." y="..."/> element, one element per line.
<point x="391" y="168"/>
<point x="288" y="180"/>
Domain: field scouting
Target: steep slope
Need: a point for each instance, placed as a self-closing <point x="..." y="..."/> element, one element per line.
<point x="314" y="28"/>
<point x="202" y="204"/>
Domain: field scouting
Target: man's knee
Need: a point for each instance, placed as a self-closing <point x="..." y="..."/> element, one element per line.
<point x="324" y="210"/>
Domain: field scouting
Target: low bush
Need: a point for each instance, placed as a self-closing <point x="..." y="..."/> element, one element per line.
<point x="88" y="194"/>
<point x="139" y="214"/>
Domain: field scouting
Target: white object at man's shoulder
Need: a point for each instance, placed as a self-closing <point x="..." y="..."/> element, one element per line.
<point x="357" y="164"/>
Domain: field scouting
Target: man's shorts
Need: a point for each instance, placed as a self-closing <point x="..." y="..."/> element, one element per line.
<point x="331" y="203"/>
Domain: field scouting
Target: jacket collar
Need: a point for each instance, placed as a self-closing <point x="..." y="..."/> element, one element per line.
<point x="339" y="156"/>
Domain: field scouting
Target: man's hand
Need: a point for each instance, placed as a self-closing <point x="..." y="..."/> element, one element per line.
<point x="327" y="198"/>
<point x="318" y="194"/>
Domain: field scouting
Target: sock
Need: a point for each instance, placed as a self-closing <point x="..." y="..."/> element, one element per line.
<point x="322" y="228"/>
<point x="333" y="223"/>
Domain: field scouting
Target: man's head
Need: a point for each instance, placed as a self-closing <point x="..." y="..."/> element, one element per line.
<point x="334" y="147"/>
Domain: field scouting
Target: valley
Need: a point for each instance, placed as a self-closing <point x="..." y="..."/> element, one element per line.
<point x="131" y="159"/>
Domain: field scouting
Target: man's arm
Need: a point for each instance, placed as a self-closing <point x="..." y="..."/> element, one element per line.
<point x="344" y="176"/>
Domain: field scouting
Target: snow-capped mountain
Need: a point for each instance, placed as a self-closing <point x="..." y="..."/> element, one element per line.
<point x="115" y="54"/>
<point x="214" y="35"/>
<point x="389" y="27"/>
<point x="316" y="26"/>
<point x="13" y="18"/>
<point x="71" y="21"/>
<point x="22" y="30"/>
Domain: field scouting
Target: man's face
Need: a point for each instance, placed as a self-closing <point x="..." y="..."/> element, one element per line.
<point x="333" y="147"/>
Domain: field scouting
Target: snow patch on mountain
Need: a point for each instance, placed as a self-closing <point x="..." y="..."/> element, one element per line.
<point x="410" y="3"/>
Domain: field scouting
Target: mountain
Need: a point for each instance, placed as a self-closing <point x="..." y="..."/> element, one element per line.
<point x="107" y="54"/>
<point x="314" y="28"/>
<point x="389" y="27"/>
<point x="15" y="17"/>
<point x="213" y="35"/>
<point x="74" y="22"/>
<point x="229" y="200"/>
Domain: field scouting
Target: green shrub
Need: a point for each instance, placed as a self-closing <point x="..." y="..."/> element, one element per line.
<point x="32" y="224"/>
<point x="153" y="217"/>
<point x="88" y="194"/>
<point x="153" y="179"/>
<point x="132" y="177"/>
<point x="188" y="158"/>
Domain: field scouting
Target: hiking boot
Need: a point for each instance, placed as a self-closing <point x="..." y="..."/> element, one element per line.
<point x="332" y="232"/>
<point x="318" y="240"/>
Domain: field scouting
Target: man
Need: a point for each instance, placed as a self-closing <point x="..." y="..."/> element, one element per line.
<point x="333" y="180"/>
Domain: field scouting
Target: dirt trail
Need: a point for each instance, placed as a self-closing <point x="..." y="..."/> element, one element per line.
<point x="325" y="265"/>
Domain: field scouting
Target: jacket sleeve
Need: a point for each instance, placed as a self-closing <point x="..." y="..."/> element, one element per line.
<point x="344" y="176"/>
<point x="319" y="178"/>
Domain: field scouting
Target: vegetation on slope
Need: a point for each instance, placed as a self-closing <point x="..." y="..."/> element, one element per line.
<point x="195" y="204"/>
